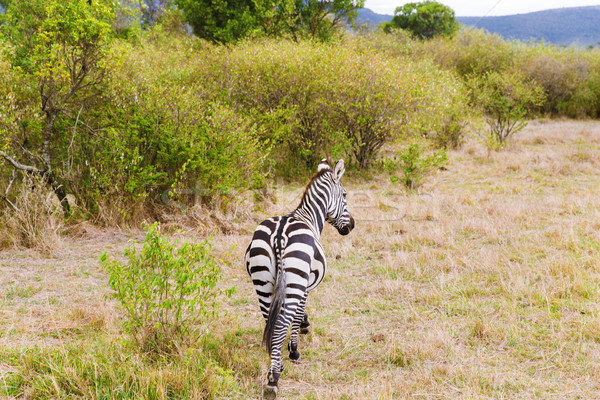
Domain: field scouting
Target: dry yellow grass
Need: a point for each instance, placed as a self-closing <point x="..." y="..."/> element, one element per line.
<point x="485" y="284"/>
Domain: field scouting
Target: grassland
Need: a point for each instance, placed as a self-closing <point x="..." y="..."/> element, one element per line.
<point x="483" y="284"/>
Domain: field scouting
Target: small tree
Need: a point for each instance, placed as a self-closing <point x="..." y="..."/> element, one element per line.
<point x="227" y="21"/>
<point x="221" y="21"/>
<point x="321" y="19"/>
<point x="505" y="98"/>
<point x="56" y="49"/>
<point x="424" y="20"/>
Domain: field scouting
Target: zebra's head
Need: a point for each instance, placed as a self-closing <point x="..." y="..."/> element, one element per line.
<point x="338" y="214"/>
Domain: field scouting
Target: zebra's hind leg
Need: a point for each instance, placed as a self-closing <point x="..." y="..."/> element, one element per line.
<point x="281" y="328"/>
<point x="299" y="319"/>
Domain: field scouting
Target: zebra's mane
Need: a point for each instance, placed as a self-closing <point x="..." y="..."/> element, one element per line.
<point x="315" y="177"/>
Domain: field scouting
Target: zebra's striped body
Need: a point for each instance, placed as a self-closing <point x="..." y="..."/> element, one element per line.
<point x="286" y="261"/>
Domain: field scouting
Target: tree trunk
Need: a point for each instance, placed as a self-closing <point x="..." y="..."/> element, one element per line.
<point x="60" y="192"/>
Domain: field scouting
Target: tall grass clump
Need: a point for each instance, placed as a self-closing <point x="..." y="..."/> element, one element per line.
<point x="165" y="290"/>
<point x="107" y="368"/>
<point x="31" y="216"/>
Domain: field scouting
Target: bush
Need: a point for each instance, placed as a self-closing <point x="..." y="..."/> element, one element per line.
<point x="443" y="112"/>
<point x="176" y="114"/>
<point x="504" y="98"/>
<point x="585" y="102"/>
<point x="560" y="74"/>
<point x="316" y="99"/>
<point x="343" y="100"/>
<point x="471" y="51"/>
<point x="164" y="290"/>
<point x="414" y="161"/>
<point x="168" y="132"/>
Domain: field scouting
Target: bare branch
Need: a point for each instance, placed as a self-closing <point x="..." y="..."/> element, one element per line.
<point x="90" y="129"/>
<point x="5" y="196"/>
<point x="69" y="152"/>
<point x="18" y="165"/>
<point x="10" y="203"/>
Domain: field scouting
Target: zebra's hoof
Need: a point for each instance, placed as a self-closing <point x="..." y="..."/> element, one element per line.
<point x="270" y="392"/>
<point x="295" y="356"/>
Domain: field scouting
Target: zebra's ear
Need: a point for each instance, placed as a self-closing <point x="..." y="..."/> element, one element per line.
<point x="339" y="169"/>
<point x="323" y="165"/>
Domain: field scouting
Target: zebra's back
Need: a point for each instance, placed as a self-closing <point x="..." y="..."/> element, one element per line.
<point x="302" y="255"/>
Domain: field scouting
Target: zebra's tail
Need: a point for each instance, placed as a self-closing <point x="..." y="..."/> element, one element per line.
<point x="276" y="307"/>
<point x="278" y="300"/>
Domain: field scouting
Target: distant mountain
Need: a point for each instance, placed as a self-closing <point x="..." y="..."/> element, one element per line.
<point x="561" y="26"/>
<point x="369" y="17"/>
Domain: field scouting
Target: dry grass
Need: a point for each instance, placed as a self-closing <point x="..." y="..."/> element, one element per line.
<point x="33" y="221"/>
<point x="482" y="285"/>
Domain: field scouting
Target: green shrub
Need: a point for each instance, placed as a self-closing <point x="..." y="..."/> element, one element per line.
<point x="504" y="98"/>
<point x="345" y="100"/>
<point x="585" y="101"/>
<point x="317" y="99"/>
<point x="414" y="161"/>
<point x="168" y="132"/>
<point x="443" y="112"/>
<point x="164" y="290"/>
<point x="560" y="73"/>
<point x="471" y="51"/>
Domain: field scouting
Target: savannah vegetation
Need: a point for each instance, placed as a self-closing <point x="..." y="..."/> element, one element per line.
<point x="472" y="271"/>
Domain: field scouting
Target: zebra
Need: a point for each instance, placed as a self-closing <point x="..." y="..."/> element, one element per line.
<point x="286" y="261"/>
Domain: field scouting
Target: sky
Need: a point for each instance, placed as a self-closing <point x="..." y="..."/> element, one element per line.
<point x="478" y="8"/>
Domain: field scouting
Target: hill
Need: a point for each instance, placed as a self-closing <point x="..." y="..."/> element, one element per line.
<point x="562" y="26"/>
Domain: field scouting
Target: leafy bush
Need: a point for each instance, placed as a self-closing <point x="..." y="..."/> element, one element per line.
<point x="567" y="75"/>
<point x="318" y="99"/>
<point x="343" y="100"/>
<point x="443" y="112"/>
<point x="559" y="76"/>
<point x="585" y="101"/>
<point x="414" y="161"/>
<point x="169" y="132"/>
<point x="504" y="98"/>
<point x="164" y="290"/>
<point x="471" y="51"/>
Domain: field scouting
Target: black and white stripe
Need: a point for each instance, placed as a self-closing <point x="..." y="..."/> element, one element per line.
<point x="286" y="261"/>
